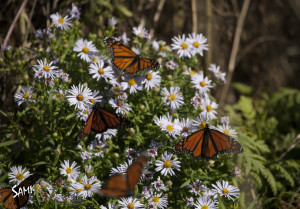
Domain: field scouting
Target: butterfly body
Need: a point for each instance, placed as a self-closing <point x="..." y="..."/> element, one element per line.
<point x="7" y="195"/>
<point x="100" y="120"/>
<point x="208" y="143"/>
<point x="125" y="60"/>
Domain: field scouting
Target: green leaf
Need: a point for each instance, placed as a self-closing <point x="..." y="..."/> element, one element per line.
<point x="185" y="183"/>
<point x="39" y="163"/>
<point x="3" y="113"/>
<point x="242" y="88"/>
<point x="124" y="10"/>
<point x="70" y="115"/>
<point x="7" y="143"/>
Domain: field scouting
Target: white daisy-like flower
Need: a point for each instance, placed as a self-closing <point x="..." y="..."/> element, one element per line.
<point x="203" y="84"/>
<point x="44" y="34"/>
<point x="225" y="128"/>
<point x="112" y="21"/>
<point x="95" y="97"/>
<point x="209" y="194"/>
<point x="84" y="114"/>
<point x="198" y="42"/>
<point x="130" y="153"/>
<point x="147" y="191"/>
<point x="49" y="82"/>
<point x="205" y="203"/>
<point x="182" y="45"/>
<point x="159" y="185"/>
<point x="84" y="47"/>
<point x="88" y="169"/>
<point x="98" y="71"/>
<point x="121" y="168"/>
<point x="133" y="83"/>
<point x="107" y="134"/>
<point x="109" y="206"/>
<point x="85" y="155"/>
<point x="63" y="76"/>
<point x="190" y="201"/>
<point x="167" y="165"/>
<point x="74" y="12"/>
<point x="45" y="69"/>
<point x="140" y="31"/>
<point x="186" y="126"/>
<point x="18" y="174"/>
<point x="224" y="189"/>
<point x="224" y="120"/>
<point x="196" y="187"/>
<point x="88" y="187"/>
<point x="151" y="80"/>
<point x="79" y="96"/>
<point x="159" y="201"/>
<point x="123" y="38"/>
<point x="216" y="71"/>
<point x="120" y="106"/>
<point x="130" y="203"/>
<point x="171" y="65"/>
<point x="63" y="23"/>
<point x="25" y="95"/>
<point x="173" y="97"/>
<point x="98" y="146"/>
<point x="70" y="171"/>
<point x="191" y="72"/>
<point x="200" y="122"/>
<point x="171" y="127"/>
<point x="209" y="109"/>
<point x="152" y="152"/>
<point x="198" y="99"/>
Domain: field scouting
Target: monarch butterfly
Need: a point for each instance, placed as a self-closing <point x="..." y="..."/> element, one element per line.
<point x="208" y="143"/>
<point x="120" y="185"/>
<point x="100" y="120"/>
<point x="126" y="60"/>
<point x="7" y="195"/>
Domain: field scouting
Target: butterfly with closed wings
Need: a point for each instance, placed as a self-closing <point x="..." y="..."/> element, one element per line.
<point x="126" y="60"/>
<point x="100" y="120"/>
<point x="208" y="143"/>
<point x="7" y="195"/>
<point x="120" y="185"/>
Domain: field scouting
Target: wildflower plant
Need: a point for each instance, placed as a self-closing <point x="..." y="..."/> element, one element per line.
<point x="71" y="73"/>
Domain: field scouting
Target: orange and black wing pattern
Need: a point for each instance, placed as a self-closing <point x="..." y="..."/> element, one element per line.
<point x="100" y="120"/>
<point x="120" y="185"/>
<point x="127" y="61"/>
<point x="208" y="143"/>
<point x="7" y="195"/>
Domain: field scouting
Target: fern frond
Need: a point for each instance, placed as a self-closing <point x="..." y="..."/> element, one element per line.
<point x="284" y="173"/>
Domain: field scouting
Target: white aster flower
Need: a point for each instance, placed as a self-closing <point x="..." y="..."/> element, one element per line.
<point x="206" y="203"/>
<point x="209" y="194"/>
<point x="79" y="96"/>
<point x="88" y="187"/>
<point x="61" y="22"/>
<point x="74" y="12"/>
<point x="191" y="72"/>
<point x="95" y="97"/>
<point x="130" y="203"/>
<point x="186" y="126"/>
<point x="121" y="168"/>
<point x="159" y="201"/>
<point x="224" y="189"/>
<point x="44" y="34"/>
<point x="182" y="45"/>
<point x="64" y="76"/>
<point x="45" y="69"/>
<point x="173" y="97"/>
<point x="167" y="165"/>
<point x="112" y="21"/>
<point x="152" y="152"/>
<point x="109" y="206"/>
<point x="190" y="201"/>
<point x="216" y="71"/>
<point x="203" y="84"/>
<point x="147" y="191"/>
<point x="159" y="184"/>
<point x="133" y="83"/>
<point x="130" y="153"/>
<point x="84" y="47"/>
<point x="198" y="42"/>
<point x="25" y="95"/>
<point x="225" y="128"/>
<point x="70" y="171"/>
<point x="171" y="127"/>
<point x="224" y="120"/>
<point x="85" y="155"/>
<point x="200" y="122"/>
<point x="83" y="114"/>
<point x="123" y="38"/>
<point x="151" y="80"/>
<point x="196" y="187"/>
<point x="171" y="65"/>
<point x="18" y="174"/>
<point x="98" y="146"/>
<point x="107" y="134"/>
<point x="140" y="31"/>
<point x="98" y="71"/>
<point x="209" y="109"/>
<point x="120" y="106"/>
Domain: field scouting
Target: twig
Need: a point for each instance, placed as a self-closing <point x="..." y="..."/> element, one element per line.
<point x="296" y="141"/>
<point x="157" y="15"/>
<point x="14" y="23"/>
<point x="208" y="35"/>
<point x="234" y="51"/>
<point x="194" y="15"/>
<point x="30" y="25"/>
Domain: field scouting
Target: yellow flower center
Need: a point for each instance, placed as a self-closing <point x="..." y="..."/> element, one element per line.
<point x="20" y="176"/>
<point x="94" y="59"/>
<point x="78" y="190"/>
<point x="85" y="50"/>
<point x="92" y="101"/>
<point x="226" y="131"/>
<point x="172" y="97"/>
<point x="130" y="206"/>
<point x="101" y="71"/>
<point x="168" y="164"/>
<point x="38" y="187"/>
<point x="208" y="108"/>
<point x="46" y="68"/>
<point x="193" y="72"/>
<point x="119" y="79"/>
<point x="169" y="128"/>
<point x="224" y="191"/>
<point x="117" y="88"/>
<point x="149" y="77"/>
<point x="204" y="207"/>
<point x="155" y="199"/>
<point x="26" y="95"/>
<point x="196" y="44"/>
<point x="98" y="148"/>
<point x="69" y="170"/>
<point x="87" y="187"/>
<point x="184" y="46"/>
<point x="202" y="125"/>
<point x="61" y="20"/>
<point x="131" y="82"/>
<point x="120" y="104"/>
<point x="202" y="83"/>
<point x="80" y="97"/>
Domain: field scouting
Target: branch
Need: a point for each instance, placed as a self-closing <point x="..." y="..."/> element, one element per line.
<point x="296" y="141"/>
<point x="194" y="15"/>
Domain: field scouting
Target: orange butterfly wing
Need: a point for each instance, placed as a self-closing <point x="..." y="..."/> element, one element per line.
<point x="6" y="197"/>
<point x="126" y="60"/>
<point x="120" y="186"/>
